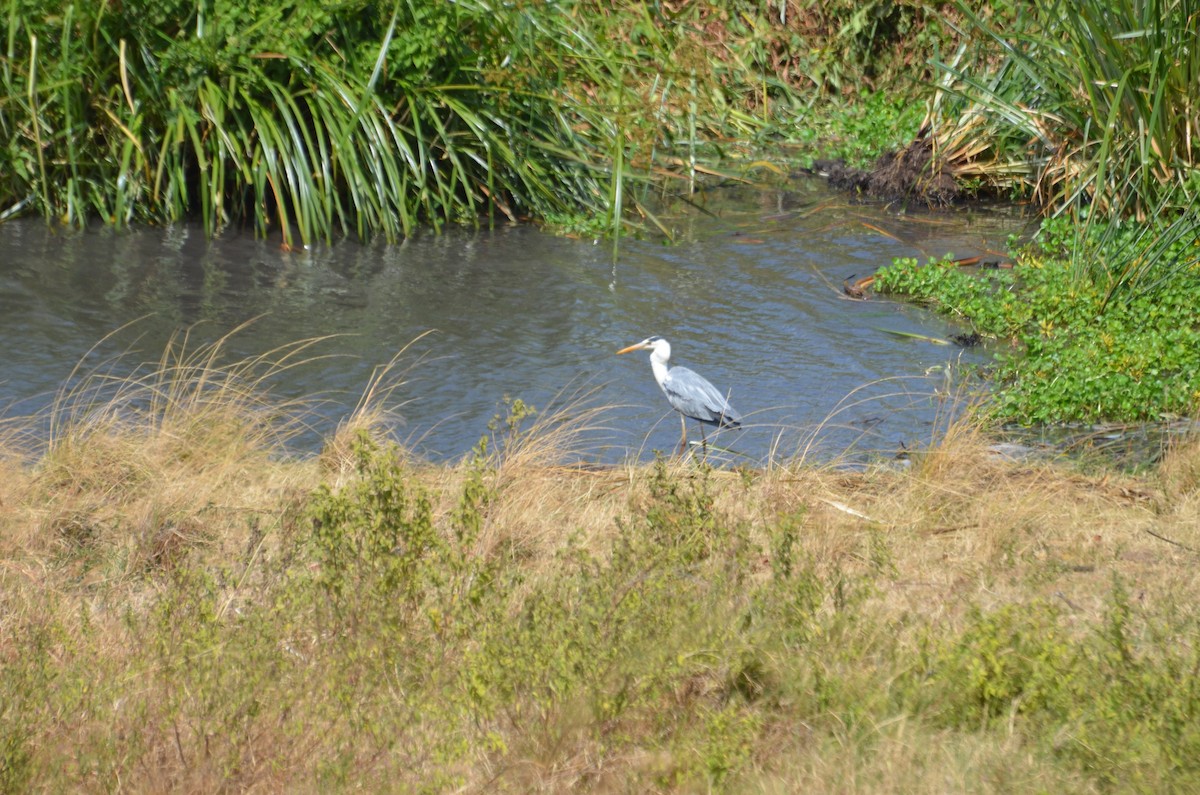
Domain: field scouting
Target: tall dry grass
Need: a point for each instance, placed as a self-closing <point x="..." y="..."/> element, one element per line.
<point x="185" y="607"/>
<point x="143" y="460"/>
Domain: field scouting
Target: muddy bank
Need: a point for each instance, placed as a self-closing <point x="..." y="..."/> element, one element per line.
<point x="910" y="174"/>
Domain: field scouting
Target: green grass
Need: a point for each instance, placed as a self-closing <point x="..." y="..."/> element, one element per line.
<point x="314" y="121"/>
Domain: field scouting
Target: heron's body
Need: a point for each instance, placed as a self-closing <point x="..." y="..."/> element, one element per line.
<point x="688" y="392"/>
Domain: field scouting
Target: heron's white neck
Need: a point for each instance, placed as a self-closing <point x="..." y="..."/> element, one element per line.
<point x="658" y="363"/>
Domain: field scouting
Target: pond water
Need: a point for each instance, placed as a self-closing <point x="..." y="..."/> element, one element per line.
<point x="749" y="296"/>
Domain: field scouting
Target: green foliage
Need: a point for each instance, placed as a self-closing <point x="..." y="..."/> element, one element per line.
<point x="860" y="129"/>
<point x="1121" y="700"/>
<point x="374" y="535"/>
<point x="1015" y="659"/>
<point x="615" y="633"/>
<point x="213" y="681"/>
<point x="382" y="560"/>
<point x="987" y="299"/>
<point x="314" y="120"/>
<point x="279" y="114"/>
<point x="1082" y="354"/>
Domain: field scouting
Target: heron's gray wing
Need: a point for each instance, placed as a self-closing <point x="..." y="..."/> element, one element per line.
<point x="692" y="395"/>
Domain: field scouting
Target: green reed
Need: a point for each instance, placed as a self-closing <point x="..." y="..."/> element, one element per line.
<point x="1093" y="99"/>
<point x="313" y="120"/>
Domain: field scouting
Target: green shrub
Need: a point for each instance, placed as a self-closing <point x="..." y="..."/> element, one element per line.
<point x="1015" y="659"/>
<point x="313" y="120"/>
<point x="1120" y="701"/>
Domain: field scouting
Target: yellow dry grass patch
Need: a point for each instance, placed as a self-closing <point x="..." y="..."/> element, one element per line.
<point x="99" y="526"/>
<point x="958" y="518"/>
<point x="961" y="525"/>
<point x="957" y="528"/>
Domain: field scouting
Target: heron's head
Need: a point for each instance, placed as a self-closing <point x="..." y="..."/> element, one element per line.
<point x="658" y="347"/>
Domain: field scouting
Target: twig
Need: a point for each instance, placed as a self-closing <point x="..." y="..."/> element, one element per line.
<point x="1069" y="603"/>
<point x="1176" y="543"/>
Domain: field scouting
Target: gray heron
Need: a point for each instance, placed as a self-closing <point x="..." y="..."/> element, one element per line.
<point x="688" y="392"/>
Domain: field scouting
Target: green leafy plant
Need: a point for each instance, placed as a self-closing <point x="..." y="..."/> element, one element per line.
<point x="1120" y="343"/>
<point x="1013" y="659"/>
<point x="859" y="129"/>
<point x="312" y="120"/>
<point x="1121" y="711"/>
<point x="382" y="557"/>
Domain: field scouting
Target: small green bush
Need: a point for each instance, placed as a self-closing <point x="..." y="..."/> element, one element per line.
<point x="1120" y="701"/>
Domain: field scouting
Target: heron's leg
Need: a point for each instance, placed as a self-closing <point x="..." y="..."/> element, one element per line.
<point x="703" y="441"/>
<point x="683" y="438"/>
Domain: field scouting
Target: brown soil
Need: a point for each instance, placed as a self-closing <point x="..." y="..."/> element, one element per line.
<point x="906" y="175"/>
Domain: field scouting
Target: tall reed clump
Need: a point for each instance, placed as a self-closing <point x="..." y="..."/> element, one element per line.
<point x="1081" y="102"/>
<point x="314" y="120"/>
<point x="304" y="118"/>
<point x="1088" y="106"/>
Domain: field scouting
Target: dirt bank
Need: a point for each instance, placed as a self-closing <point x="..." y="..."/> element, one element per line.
<point x="909" y="174"/>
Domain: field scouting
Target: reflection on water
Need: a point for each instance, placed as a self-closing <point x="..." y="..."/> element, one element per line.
<point x="750" y="297"/>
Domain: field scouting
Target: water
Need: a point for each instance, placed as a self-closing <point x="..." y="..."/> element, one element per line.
<point x="750" y="296"/>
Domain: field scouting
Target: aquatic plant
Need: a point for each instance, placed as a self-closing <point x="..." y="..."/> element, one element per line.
<point x="1117" y="343"/>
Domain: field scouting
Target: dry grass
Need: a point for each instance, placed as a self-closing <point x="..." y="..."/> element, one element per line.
<point x="184" y="453"/>
<point x="176" y="487"/>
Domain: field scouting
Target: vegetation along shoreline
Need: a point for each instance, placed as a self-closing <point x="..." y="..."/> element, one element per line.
<point x="186" y="606"/>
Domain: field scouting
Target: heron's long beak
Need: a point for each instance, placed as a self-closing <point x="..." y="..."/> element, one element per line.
<point x="631" y="348"/>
